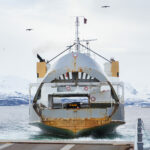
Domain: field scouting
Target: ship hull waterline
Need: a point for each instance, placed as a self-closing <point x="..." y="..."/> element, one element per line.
<point x="98" y="131"/>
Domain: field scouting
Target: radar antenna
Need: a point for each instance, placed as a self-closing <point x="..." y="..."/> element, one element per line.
<point x="87" y="41"/>
<point x="87" y="44"/>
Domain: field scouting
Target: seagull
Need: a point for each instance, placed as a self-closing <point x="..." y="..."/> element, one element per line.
<point x="29" y="29"/>
<point x="106" y="6"/>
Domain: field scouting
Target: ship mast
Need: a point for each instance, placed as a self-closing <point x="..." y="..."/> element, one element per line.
<point x="77" y="43"/>
<point x="77" y="40"/>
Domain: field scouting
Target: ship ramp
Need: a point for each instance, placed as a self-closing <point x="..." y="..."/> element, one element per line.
<point x="65" y="145"/>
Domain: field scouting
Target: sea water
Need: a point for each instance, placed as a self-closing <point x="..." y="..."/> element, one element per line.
<point x="14" y="125"/>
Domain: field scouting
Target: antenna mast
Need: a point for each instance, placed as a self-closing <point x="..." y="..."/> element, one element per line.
<point x="77" y="40"/>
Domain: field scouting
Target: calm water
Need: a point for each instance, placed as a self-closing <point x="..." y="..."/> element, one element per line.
<point x="14" y="125"/>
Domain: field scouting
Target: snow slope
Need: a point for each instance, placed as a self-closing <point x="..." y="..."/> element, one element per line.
<point x="139" y="97"/>
<point x="13" y="91"/>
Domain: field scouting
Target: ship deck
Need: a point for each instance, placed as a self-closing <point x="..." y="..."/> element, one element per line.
<point x="65" y="145"/>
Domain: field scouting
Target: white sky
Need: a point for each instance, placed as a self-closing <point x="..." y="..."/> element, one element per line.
<point x="123" y="32"/>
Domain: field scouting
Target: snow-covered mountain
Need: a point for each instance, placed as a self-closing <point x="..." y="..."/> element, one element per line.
<point x="14" y="91"/>
<point x="136" y="97"/>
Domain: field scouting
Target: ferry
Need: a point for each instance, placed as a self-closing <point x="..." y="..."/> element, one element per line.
<point x="75" y="96"/>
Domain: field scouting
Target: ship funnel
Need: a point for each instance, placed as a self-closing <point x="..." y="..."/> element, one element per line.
<point x="115" y="68"/>
<point x="41" y="67"/>
<point x="112" y="68"/>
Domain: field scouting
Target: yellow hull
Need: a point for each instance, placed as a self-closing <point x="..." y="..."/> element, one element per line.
<point x="76" y="124"/>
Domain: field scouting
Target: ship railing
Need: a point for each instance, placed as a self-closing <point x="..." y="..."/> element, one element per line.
<point x="146" y="134"/>
<point x="79" y="83"/>
<point x="141" y="133"/>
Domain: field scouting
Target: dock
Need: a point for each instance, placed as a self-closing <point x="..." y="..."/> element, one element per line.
<point x="65" y="145"/>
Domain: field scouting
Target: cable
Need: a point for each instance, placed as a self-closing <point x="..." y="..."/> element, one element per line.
<point x="95" y="53"/>
<point x="60" y="53"/>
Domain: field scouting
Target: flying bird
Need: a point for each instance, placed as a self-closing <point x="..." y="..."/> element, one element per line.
<point x="105" y="6"/>
<point x="29" y="29"/>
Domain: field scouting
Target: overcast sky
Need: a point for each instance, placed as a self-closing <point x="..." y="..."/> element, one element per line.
<point x="123" y="32"/>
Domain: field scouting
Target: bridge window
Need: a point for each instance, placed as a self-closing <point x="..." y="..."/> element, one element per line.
<point x="75" y="76"/>
<point x="66" y="102"/>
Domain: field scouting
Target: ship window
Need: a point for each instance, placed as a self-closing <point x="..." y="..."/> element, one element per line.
<point x="61" y="77"/>
<point x="70" y="102"/>
<point x="83" y="76"/>
<point x="75" y="76"/>
<point x="79" y="75"/>
<point x="70" y="75"/>
<point x="88" y="77"/>
<point x="67" y="76"/>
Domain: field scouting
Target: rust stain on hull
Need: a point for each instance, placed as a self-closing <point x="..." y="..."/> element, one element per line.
<point x="76" y="124"/>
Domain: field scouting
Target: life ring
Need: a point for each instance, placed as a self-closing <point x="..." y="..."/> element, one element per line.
<point x="68" y="88"/>
<point x="86" y="88"/>
<point x="93" y="99"/>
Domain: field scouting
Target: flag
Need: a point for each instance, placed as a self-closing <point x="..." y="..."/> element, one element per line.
<point x="85" y="21"/>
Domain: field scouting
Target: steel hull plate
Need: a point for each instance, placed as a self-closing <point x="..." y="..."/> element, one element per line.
<point x="96" y="132"/>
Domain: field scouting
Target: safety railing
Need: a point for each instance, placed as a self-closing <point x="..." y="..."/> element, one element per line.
<point x="141" y="134"/>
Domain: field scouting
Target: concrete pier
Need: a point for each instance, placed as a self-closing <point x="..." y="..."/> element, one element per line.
<point x="65" y="145"/>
